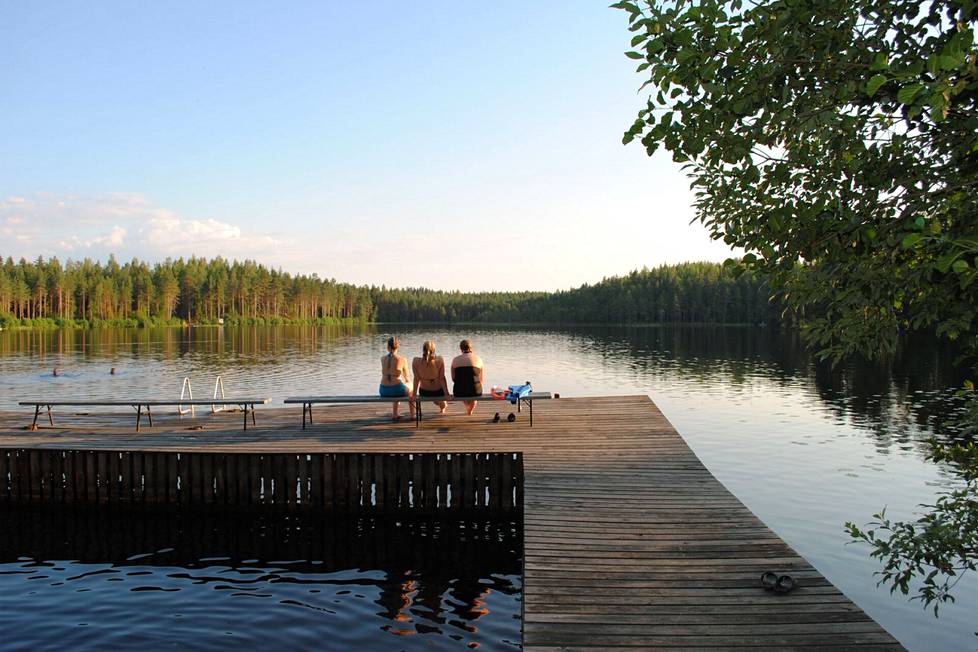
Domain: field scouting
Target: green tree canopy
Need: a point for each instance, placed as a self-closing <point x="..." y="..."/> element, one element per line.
<point x="836" y="143"/>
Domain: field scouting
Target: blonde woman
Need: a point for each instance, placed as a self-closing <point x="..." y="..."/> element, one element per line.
<point x="395" y="381"/>
<point x="429" y="375"/>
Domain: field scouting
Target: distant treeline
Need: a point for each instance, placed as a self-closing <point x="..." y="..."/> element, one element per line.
<point x="685" y="293"/>
<point x="86" y="293"/>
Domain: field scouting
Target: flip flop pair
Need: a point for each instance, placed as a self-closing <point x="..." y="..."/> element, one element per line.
<point x="511" y="418"/>
<point x="777" y="583"/>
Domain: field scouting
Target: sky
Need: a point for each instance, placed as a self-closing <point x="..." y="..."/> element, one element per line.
<point x="451" y="145"/>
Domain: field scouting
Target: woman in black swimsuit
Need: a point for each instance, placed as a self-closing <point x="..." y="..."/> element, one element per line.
<point x="429" y="375"/>
<point x="468" y="373"/>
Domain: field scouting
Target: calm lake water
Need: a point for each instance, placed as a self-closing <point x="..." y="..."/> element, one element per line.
<point x="805" y="447"/>
<point x="81" y="579"/>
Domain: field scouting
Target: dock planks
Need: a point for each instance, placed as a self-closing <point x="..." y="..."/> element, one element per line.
<point x="630" y="542"/>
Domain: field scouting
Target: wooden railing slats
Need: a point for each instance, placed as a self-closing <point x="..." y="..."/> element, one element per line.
<point x="344" y="482"/>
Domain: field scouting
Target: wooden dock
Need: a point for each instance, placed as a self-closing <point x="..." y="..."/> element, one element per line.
<point x="629" y="540"/>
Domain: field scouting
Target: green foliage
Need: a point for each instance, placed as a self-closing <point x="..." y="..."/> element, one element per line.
<point x="929" y="555"/>
<point x="836" y="143"/>
<point x="86" y="294"/>
<point x="45" y="294"/>
<point x="685" y="293"/>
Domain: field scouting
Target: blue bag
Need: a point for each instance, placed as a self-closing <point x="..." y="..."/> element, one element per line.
<point x="516" y="392"/>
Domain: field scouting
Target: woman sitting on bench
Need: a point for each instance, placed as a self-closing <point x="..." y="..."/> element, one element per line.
<point x="395" y="381"/>
<point x="429" y="375"/>
<point x="467" y="375"/>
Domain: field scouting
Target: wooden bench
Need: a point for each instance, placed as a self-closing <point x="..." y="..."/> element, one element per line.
<point x="246" y="404"/>
<point x="308" y="401"/>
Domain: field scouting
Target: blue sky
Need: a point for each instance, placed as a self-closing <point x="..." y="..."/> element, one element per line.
<point x="422" y="143"/>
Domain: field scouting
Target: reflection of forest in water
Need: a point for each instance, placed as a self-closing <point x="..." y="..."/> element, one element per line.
<point x="427" y="576"/>
<point x="244" y="342"/>
<point x="901" y="399"/>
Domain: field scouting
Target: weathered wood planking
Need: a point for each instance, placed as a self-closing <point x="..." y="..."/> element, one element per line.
<point x="629" y="540"/>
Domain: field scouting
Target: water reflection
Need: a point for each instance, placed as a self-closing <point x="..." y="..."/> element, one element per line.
<point x="804" y="445"/>
<point x="433" y="583"/>
<point x="913" y="386"/>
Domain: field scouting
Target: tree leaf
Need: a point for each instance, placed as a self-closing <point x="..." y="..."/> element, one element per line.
<point x="874" y="84"/>
<point x="906" y="94"/>
<point x="911" y="239"/>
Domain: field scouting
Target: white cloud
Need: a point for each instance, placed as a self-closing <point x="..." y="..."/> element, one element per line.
<point x="125" y="224"/>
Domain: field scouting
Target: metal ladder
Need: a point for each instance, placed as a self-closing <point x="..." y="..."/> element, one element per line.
<point x="218" y="384"/>
<point x="186" y="392"/>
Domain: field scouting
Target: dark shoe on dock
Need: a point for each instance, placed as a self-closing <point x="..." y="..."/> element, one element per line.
<point x="784" y="584"/>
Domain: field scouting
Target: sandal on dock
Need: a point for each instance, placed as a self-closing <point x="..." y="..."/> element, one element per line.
<point x="769" y="580"/>
<point x="784" y="584"/>
<point x="495" y="419"/>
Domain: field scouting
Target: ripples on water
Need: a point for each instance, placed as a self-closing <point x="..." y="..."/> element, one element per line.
<point x="92" y="579"/>
<point x="806" y="447"/>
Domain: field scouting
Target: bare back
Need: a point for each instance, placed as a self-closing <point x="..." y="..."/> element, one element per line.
<point x="429" y="373"/>
<point x="394" y="370"/>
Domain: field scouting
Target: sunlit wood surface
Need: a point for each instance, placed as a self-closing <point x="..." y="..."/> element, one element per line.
<point x="630" y="541"/>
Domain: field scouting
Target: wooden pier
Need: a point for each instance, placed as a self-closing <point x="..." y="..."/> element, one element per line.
<point x="629" y="540"/>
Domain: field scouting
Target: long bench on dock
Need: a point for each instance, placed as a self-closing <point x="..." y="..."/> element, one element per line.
<point x="308" y="401"/>
<point x="247" y="406"/>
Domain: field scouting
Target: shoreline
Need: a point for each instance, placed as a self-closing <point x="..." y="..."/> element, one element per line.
<point x="82" y="324"/>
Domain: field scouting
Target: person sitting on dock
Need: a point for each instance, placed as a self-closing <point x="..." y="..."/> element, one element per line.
<point x="395" y="380"/>
<point x="429" y="375"/>
<point x="467" y="375"/>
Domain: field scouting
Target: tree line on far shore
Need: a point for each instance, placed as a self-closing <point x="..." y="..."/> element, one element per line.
<point x="90" y="293"/>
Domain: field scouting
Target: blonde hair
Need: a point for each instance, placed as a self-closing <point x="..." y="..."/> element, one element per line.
<point x="428" y="351"/>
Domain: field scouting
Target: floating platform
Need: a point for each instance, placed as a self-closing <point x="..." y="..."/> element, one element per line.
<point x="630" y="542"/>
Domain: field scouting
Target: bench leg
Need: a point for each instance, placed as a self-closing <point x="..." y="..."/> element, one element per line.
<point x="149" y="414"/>
<point x="244" y="409"/>
<point x="37" y="411"/>
<point x="417" y="413"/>
<point x="531" y="412"/>
<point x="252" y="414"/>
<point x="303" y="416"/>
<point x="139" y="414"/>
<point x="50" y="418"/>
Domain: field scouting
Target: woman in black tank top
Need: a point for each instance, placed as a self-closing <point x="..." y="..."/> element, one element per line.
<point x="467" y="375"/>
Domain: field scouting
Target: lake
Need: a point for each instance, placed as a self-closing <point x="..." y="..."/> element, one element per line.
<point x="805" y="446"/>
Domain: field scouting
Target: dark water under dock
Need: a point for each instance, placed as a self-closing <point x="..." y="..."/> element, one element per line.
<point x="152" y="577"/>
